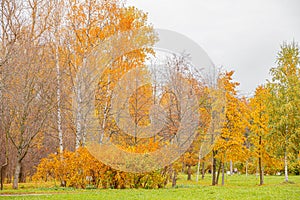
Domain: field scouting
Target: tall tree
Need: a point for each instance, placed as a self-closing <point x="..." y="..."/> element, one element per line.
<point x="90" y="23"/>
<point x="285" y="102"/>
<point x="58" y="16"/>
<point x="260" y="126"/>
<point x="28" y="89"/>
<point x="230" y="145"/>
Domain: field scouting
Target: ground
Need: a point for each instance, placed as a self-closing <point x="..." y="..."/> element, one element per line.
<point x="236" y="187"/>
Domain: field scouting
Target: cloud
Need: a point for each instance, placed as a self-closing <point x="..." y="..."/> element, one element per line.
<point x="239" y="35"/>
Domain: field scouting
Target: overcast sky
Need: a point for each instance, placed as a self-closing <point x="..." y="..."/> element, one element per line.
<point x="240" y="35"/>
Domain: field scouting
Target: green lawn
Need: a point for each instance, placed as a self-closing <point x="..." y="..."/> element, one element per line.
<point x="236" y="187"/>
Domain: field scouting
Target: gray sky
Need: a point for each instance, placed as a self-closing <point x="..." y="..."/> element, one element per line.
<point x="240" y="35"/>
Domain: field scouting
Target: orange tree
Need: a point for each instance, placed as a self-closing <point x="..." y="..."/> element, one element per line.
<point x="230" y="145"/>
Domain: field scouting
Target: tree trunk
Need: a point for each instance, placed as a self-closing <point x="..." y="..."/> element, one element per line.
<point x="198" y="171"/>
<point x="58" y="76"/>
<point x="223" y="174"/>
<point x="17" y="174"/>
<point x="22" y="177"/>
<point x="261" y="174"/>
<point x="218" y="175"/>
<point x="4" y="166"/>
<point x="78" y="121"/>
<point x="203" y="170"/>
<point x="189" y="172"/>
<point x="174" y="179"/>
<point x="286" y="167"/>
<point x="2" y="173"/>
<point x="59" y="124"/>
<point x="231" y="167"/>
<point x="214" y="162"/>
<point x="198" y="166"/>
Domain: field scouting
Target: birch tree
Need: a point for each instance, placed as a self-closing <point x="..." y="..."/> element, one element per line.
<point x="285" y="102"/>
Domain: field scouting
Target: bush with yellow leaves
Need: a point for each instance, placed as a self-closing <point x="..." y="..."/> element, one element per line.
<point x="80" y="169"/>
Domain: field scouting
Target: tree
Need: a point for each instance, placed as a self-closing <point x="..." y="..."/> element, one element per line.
<point x="92" y="23"/>
<point x="57" y="21"/>
<point x="230" y="145"/>
<point x="260" y="126"/>
<point x="28" y="90"/>
<point x="285" y="102"/>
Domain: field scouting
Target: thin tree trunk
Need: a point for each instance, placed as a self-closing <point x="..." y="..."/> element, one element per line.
<point x="219" y="170"/>
<point x="58" y="96"/>
<point x="261" y="175"/>
<point x="174" y="179"/>
<point x="78" y="118"/>
<point x="106" y="108"/>
<point x="214" y="162"/>
<point x="171" y="170"/>
<point x="83" y="114"/>
<point x="231" y="167"/>
<point x="198" y="165"/>
<point x="203" y="170"/>
<point x="286" y="176"/>
<point x="198" y="171"/>
<point x="189" y="172"/>
<point x="223" y="174"/>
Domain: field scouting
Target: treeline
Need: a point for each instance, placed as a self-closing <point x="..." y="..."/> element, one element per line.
<point x="45" y="45"/>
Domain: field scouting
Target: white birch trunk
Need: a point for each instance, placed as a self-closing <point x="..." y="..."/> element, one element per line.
<point x="198" y="166"/>
<point x="58" y="96"/>
<point x="78" y="115"/>
<point x="286" y="176"/>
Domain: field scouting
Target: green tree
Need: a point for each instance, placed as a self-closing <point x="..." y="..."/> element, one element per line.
<point x="285" y="102"/>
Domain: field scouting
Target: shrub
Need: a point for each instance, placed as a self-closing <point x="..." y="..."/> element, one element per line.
<point x="81" y="170"/>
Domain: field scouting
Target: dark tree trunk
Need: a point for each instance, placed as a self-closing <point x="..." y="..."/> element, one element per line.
<point x="2" y="174"/>
<point x="4" y="166"/>
<point x="218" y="175"/>
<point x="189" y="172"/>
<point x="174" y="179"/>
<point x="183" y="167"/>
<point x="203" y="170"/>
<point x="171" y="170"/>
<point x="214" y="163"/>
<point x="223" y="174"/>
<point x="261" y="173"/>
<point x="22" y="177"/>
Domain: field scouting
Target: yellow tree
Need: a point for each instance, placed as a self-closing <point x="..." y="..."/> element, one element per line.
<point x="260" y="126"/>
<point x="91" y="23"/>
<point x="230" y="145"/>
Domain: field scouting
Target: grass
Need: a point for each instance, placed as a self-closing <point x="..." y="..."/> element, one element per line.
<point x="236" y="187"/>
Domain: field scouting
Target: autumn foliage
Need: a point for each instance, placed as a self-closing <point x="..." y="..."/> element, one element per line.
<point x="80" y="170"/>
<point x="44" y="45"/>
